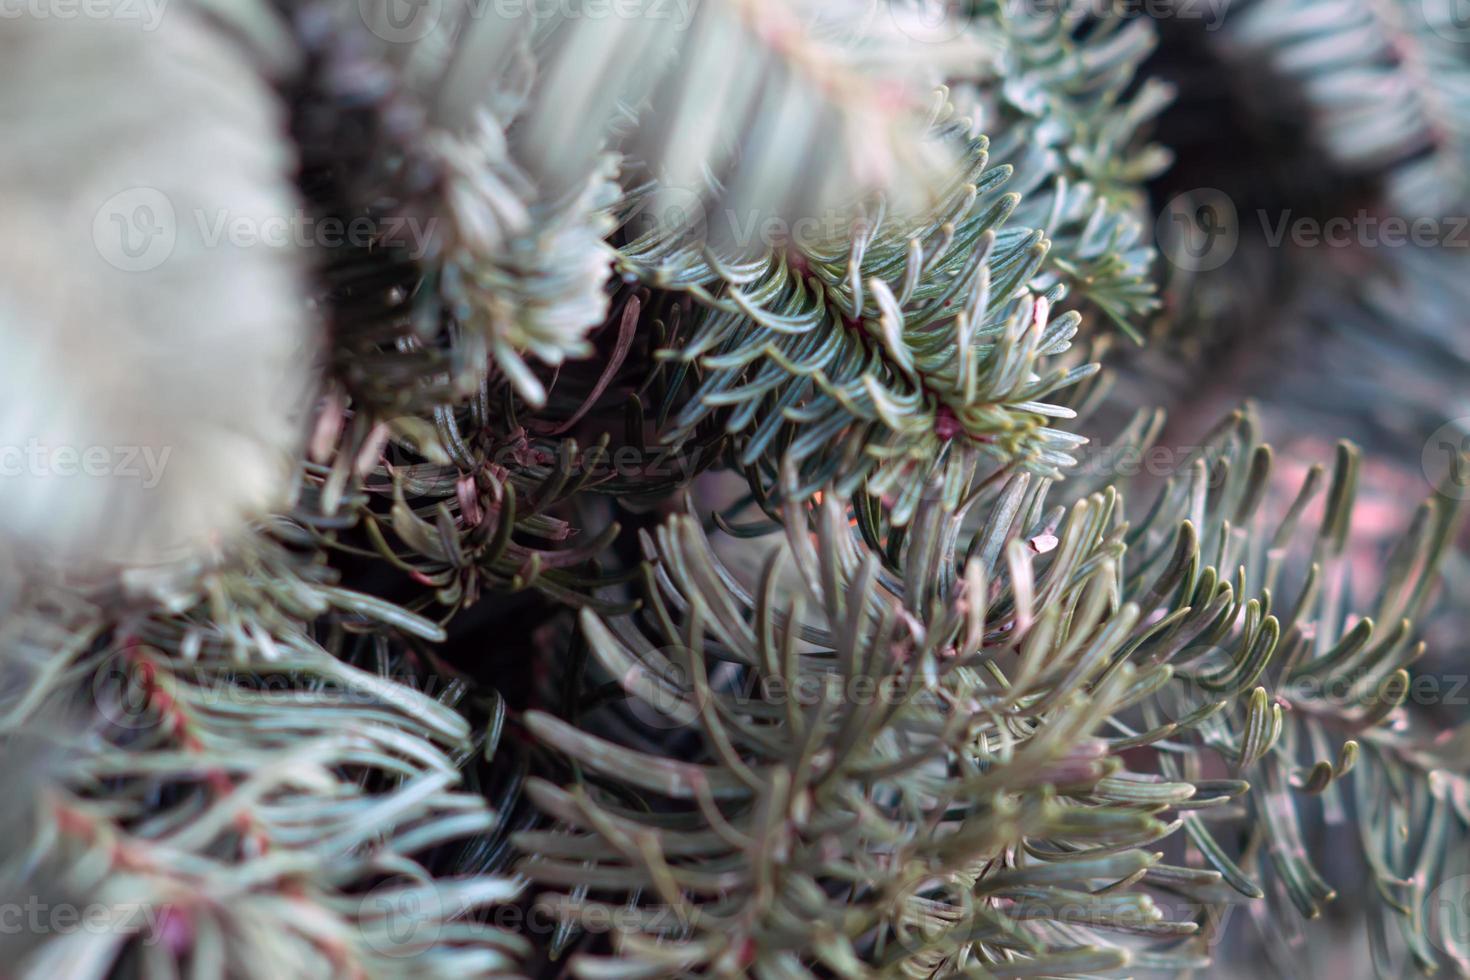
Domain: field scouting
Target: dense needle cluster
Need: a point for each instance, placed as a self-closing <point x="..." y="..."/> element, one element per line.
<point x="706" y="551"/>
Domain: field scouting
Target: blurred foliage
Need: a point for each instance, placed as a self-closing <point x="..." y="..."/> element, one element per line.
<point x="704" y="559"/>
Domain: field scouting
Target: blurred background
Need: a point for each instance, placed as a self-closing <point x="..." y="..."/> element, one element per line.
<point x="1315" y="259"/>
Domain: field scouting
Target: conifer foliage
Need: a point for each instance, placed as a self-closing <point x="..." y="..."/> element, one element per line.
<point x="662" y="506"/>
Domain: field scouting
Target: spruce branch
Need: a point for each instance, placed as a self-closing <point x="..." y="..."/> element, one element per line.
<point x="873" y="364"/>
<point x="1011" y="667"/>
<point x="1384" y="84"/>
<point x="274" y="812"/>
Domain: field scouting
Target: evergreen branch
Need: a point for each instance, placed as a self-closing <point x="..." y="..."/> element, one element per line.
<point x="274" y="813"/>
